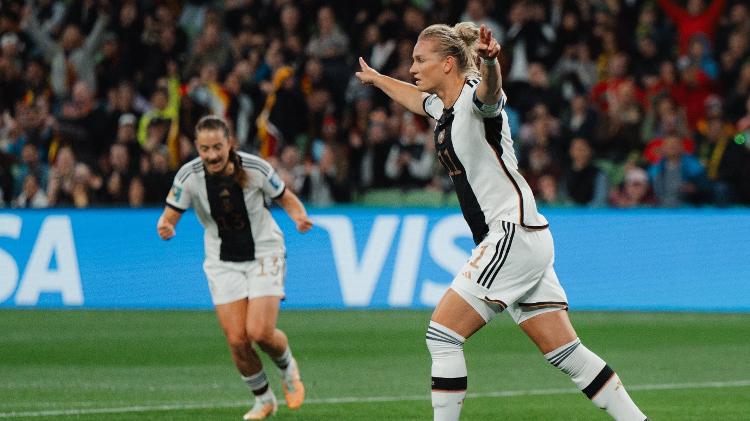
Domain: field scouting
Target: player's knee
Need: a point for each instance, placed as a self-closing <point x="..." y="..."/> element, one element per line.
<point x="237" y="341"/>
<point x="261" y="334"/>
<point x="443" y="342"/>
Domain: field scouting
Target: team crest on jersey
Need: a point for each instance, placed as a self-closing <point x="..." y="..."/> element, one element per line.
<point x="175" y="193"/>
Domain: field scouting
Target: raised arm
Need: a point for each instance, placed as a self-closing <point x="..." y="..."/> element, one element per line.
<point x="488" y="49"/>
<point x="295" y="209"/>
<point x="404" y="93"/>
<point x="94" y="39"/>
<point x="167" y="222"/>
<point x="675" y="12"/>
<point x="41" y="38"/>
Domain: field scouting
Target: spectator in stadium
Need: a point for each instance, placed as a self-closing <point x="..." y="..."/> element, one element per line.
<point x="476" y="11"/>
<point x="695" y="18"/>
<point x="117" y="179"/>
<point x="678" y="178"/>
<point x="30" y="163"/>
<point x="60" y="186"/>
<point x="165" y="103"/>
<point x="72" y="58"/>
<point x="372" y="155"/>
<point x="579" y="120"/>
<point x="618" y="133"/>
<point x="410" y="160"/>
<point x="136" y="193"/>
<point x="539" y="163"/>
<point x="740" y="91"/>
<point x="290" y="168"/>
<point x="245" y="263"/>
<point x="32" y="195"/>
<point x="582" y="182"/>
<point x="547" y="191"/>
<point x="330" y="44"/>
<point x="725" y="161"/>
<point x="6" y="180"/>
<point x="156" y="176"/>
<point x="635" y="191"/>
<point x="475" y="148"/>
<point x="85" y="120"/>
<point x="699" y="54"/>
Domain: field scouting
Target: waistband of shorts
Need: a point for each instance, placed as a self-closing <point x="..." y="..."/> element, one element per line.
<point x="497" y="226"/>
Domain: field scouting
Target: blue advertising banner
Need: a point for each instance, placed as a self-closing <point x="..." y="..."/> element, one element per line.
<point x="682" y="260"/>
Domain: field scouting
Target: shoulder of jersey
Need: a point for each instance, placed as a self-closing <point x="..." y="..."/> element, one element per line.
<point x="473" y="82"/>
<point x="194" y="166"/>
<point x="252" y="162"/>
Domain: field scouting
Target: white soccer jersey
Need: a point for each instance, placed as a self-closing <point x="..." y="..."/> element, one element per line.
<point x="238" y="225"/>
<point x="473" y="142"/>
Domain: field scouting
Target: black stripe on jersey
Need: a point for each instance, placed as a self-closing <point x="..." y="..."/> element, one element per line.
<point x="472" y="82"/>
<point x="180" y="210"/>
<point x="258" y="166"/>
<point x="468" y="201"/>
<point x="506" y="252"/>
<point x="494" y="257"/>
<point x="456" y="384"/>
<point x="254" y="163"/>
<point x="503" y="248"/>
<point x="262" y="170"/>
<point x="185" y="176"/>
<point x="493" y="134"/>
<point x="227" y="202"/>
<point x="184" y="173"/>
<point x="599" y="381"/>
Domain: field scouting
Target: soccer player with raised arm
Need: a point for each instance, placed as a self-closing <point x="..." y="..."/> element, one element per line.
<point x="245" y="254"/>
<point x="458" y="83"/>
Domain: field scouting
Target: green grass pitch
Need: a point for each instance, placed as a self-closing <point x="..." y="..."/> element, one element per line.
<point x="359" y="365"/>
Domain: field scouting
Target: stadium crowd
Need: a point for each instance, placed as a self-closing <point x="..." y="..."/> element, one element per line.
<point x="620" y="103"/>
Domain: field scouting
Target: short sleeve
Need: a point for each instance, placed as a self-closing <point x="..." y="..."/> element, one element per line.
<point x="433" y="106"/>
<point x="273" y="186"/>
<point x="488" y="110"/>
<point x="179" y="195"/>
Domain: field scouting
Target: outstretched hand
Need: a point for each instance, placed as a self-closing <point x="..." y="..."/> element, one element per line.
<point x="488" y="48"/>
<point x="367" y="75"/>
<point x="304" y="224"/>
<point x="165" y="229"/>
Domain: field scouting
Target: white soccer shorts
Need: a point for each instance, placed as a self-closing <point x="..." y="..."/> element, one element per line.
<point x="512" y="269"/>
<point x="232" y="281"/>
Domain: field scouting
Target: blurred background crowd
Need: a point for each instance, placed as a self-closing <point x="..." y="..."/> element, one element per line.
<point x="621" y="103"/>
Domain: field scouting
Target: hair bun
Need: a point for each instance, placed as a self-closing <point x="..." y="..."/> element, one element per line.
<point x="468" y="32"/>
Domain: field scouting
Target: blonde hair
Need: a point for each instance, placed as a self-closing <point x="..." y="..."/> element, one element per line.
<point x="459" y="41"/>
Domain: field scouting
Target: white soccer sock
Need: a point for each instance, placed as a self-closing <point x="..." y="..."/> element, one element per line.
<point x="596" y="379"/>
<point x="448" y="372"/>
<point x="258" y="383"/>
<point x="283" y="361"/>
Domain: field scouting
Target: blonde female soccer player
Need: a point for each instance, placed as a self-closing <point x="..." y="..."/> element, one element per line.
<point x="458" y="83"/>
<point x="244" y="263"/>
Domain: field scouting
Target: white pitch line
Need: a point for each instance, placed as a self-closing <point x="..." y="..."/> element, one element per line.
<point x="232" y="404"/>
